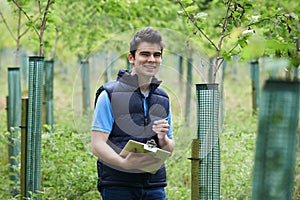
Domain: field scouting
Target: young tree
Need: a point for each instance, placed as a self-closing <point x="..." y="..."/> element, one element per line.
<point x="37" y="23"/>
<point x="250" y="29"/>
<point x="18" y="32"/>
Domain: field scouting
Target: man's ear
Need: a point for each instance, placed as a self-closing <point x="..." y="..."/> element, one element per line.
<point x="130" y="59"/>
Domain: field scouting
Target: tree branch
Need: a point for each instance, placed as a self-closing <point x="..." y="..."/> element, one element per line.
<point x="35" y="29"/>
<point x="24" y="32"/>
<point x="43" y="26"/>
<point x="233" y="48"/>
<point x="18" y="38"/>
<point x="223" y="35"/>
<point x="8" y="28"/>
<point x="45" y="16"/>
<point x="27" y="28"/>
<point x="39" y="5"/>
<point x="266" y="19"/>
<point x="224" y="26"/>
<point x="196" y="25"/>
<point x="19" y="24"/>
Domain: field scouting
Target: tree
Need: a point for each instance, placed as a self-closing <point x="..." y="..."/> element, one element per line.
<point x="87" y="24"/>
<point x="19" y="32"/>
<point x="42" y="14"/>
<point x="272" y="28"/>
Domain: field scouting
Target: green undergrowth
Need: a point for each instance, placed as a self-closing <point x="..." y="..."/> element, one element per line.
<point x="69" y="168"/>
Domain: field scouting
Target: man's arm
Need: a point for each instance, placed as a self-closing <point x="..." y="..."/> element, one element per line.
<point x="102" y="150"/>
<point x="166" y="143"/>
<point x="161" y="128"/>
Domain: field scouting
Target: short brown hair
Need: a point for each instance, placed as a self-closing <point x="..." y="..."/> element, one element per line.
<point x="148" y="34"/>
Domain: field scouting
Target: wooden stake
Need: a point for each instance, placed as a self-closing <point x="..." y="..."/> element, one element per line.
<point x="23" y="146"/>
<point x="195" y="169"/>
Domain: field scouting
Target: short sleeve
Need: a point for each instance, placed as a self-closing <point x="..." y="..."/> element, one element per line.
<point x="103" y="117"/>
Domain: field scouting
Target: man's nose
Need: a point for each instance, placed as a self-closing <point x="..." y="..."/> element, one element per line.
<point x="151" y="58"/>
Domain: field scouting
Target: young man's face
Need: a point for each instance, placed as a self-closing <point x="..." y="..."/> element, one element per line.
<point x="147" y="59"/>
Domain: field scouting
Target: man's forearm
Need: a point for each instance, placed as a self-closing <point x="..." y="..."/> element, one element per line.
<point x="166" y="144"/>
<point x="103" y="151"/>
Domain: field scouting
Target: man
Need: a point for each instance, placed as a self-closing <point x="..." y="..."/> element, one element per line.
<point x="133" y="107"/>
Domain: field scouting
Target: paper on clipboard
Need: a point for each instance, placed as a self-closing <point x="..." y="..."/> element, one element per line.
<point x="149" y="147"/>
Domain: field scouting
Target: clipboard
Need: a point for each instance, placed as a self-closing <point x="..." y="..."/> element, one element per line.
<point x="149" y="147"/>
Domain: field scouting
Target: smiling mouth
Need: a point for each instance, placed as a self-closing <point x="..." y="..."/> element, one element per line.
<point x="150" y="66"/>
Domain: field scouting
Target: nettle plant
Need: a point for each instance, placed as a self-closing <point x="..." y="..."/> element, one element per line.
<point x="250" y="29"/>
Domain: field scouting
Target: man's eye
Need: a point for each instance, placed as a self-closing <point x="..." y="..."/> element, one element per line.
<point x="147" y="54"/>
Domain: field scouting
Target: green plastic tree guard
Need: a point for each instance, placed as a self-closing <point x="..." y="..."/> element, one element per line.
<point x="85" y="75"/>
<point x="273" y="176"/>
<point x="296" y="73"/>
<point x="235" y="59"/>
<point x="112" y="64"/>
<point x="34" y="126"/>
<point x="208" y="135"/>
<point x="14" y="122"/>
<point x="49" y="71"/>
<point x="107" y="74"/>
<point x="254" y="71"/>
<point x="188" y="90"/>
<point x="211" y="70"/>
<point x="222" y="115"/>
<point x="180" y="70"/>
<point x="24" y="62"/>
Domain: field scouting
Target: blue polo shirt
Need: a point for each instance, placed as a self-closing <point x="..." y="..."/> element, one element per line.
<point x="104" y="119"/>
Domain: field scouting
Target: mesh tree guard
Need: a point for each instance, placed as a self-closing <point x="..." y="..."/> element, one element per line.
<point x="208" y="135"/>
<point x="273" y="175"/>
<point x="34" y="126"/>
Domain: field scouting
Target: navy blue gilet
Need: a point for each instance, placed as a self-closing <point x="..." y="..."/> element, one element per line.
<point x="131" y="123"/>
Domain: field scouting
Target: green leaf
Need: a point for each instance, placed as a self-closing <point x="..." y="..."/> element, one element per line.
<point x="273" y="44"/>
<point x="255" y="48"/>
<point x="187" y="1"/>
<point x="234" y="52"/>
<point x="191" y="8"/>
<point x="227" y="57"/>
<point x="29" y="24"/>
<point x="242" y="42"/>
